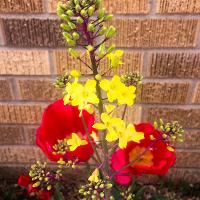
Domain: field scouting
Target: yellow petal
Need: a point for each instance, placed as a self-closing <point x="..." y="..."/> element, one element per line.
<point x="105" y="85"/>
<point x="109" y="108"/>
<point x="99" y="126"/>
<point x="94" y="177"/>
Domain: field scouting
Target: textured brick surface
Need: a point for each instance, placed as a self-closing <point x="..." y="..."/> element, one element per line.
<point x="38" y="90"/>
<point x="191" y="140"/>
<point x="33" y="32"/>
<point x="175" y="65"/>
<point x="20" y="114"/>
<point x="126" y="7"/>
<point x="5" y="90"/>
<point x="163" y="93"/>
<point x="197" y="94"/>
<point x="24" y="62"/>
<point x="10" y="135"/>
<point x="154" y="33"/>
<point x="178" y="6"/>
<point x="20" y="154"/>
<point x="188" y="159"/>
<point x="189" y="175"/>
<point x="21" y="6"/>
<point x="64" y="62"/>
<point x="189" y="118"/>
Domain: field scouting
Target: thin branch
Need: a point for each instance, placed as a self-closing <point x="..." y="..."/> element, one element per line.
<point x="90" y="139"/>
<point x="124" y="112"/>
<point x="84" y="63"/>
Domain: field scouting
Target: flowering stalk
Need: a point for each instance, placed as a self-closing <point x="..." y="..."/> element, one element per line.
<point x="70" y="133"/>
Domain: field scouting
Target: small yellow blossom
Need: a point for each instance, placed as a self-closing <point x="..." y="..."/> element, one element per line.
<point x="116" y="130"/>
<point x="94" y="177"/>
<point x="116" y="90"/>
<point x="81" y="95"/>
<point x="109" y="108"/>
<point x="115" y="59"/>
<point x="75" y="142"/>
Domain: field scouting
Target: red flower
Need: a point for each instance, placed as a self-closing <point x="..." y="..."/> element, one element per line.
<point x="58" y="123"/>
<point x="25" y="181"/>
<point x="157" y="159"/>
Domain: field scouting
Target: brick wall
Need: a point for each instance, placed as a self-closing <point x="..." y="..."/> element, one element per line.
<point x="160" y="39"/>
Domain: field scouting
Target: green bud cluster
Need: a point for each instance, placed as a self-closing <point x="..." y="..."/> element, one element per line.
<point x="41" y="178"/>
<point x="104" y="50"/>
<point x="95" y="191"/>
<point x="132" y="79"/>
<point x="69" y="164"/>
<point x="127" y="193"/>
<point x="60" y="147"/>
<point x="73" y="13"/>
<point x="62" y="81"/>
<point x="171" y="131"/>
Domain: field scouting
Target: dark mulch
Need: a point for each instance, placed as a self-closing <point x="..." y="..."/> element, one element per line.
<point x="162" y="191"/>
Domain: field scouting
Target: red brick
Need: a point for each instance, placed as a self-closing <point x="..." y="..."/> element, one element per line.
<point x="21" y="6"/>
<point x="33" y="33"/>
<point x="38" y="90"/>
<point x="197" y="94"/>
<point x="175" y="65"/>
<point x="5" y="88"/>
<point x="20" y="114"/>
<point x="126" y="7"/>
<point x="188" y="118"/>
<point x="178" y="6"/>
<point x="64" y="62"/>
<point x="188" y="159"/>
<point x="14" y="135"/>
<point x="24" y="62"/>
<point x="163" y="93"/>
<point x="191" y="140"/>
<point x="155" y="33"/>
<point x="20" y="154"/>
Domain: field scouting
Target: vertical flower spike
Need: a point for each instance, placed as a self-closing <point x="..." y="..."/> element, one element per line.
<point x="146" y="157"/>
<point x="62" y="133"/>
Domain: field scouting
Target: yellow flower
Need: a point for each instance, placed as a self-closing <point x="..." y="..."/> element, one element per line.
<point x="115" y="59"/>
<point x="116" y="90"/>
<point x="75" y="142"/>
<point x="94" y="177"/>
<point x="81" y="95"/>
<point x="116" y="130"/>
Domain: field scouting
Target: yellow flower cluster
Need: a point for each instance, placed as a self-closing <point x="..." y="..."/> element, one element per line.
<point x="115" y="59"/>
<point x="116" y="90"/>
<point x="81" y="95"/>
<point x="116" y="129"/>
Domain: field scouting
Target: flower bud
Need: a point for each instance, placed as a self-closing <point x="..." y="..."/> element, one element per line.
<point x="78" y="8"/>
<point x="79" y="20"/>
<point x="103" y="31"/>
<point x="71" y="25"/>
<point x="90" y="27"/>
<point x="70" y="13"/>
<point x="101" y="13"/>
<point x="67" y="35"/>
<point x="64" y="17"/>
<point x="49" y="187"/>
<point x="91" y="10"/>
<point x="71" y="42"/>
<point x="83" y="13"/>
<point x="98" y="77"/>
<point x="75" y="35"/>
<point x="73" y="53"/>
<point x="37" y="184"/>
<point x="110" y="32"/>
<point x="65" y="27"/>
<point x="108" y="17"/>
<point x="90" y="48"/>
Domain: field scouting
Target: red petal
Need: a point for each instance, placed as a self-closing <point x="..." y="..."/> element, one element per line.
<point x="24" y="181"/>
<point x="117" y="162"/>
<point x="60" y="121"/>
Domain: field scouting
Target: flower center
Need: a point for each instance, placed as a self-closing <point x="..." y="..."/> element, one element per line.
<point x="145" y="160"/>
